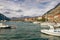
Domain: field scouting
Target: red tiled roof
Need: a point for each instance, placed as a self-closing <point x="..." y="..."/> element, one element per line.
<point x="50" y="17"/>
<point x="57" y="15"/>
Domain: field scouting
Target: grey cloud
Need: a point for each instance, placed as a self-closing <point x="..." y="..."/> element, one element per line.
<point x="19" y="11"/>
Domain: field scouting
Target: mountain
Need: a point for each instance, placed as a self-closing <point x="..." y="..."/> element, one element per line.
<point x="53" y="15"/>
<point x="54" y="11"/>
<point x="3" y="17"/>
<point x="19" y="18"/>
<point x="25" y="17"/>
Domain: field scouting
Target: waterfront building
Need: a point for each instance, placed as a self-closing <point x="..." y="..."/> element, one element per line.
<point x="57" y="17"/>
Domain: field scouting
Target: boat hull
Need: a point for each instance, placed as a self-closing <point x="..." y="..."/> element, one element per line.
<point x="5" y="27"/>
<point x="50" y="32"/>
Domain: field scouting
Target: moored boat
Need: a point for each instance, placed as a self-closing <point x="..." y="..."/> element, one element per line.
<point x="3" y="26"/>
<point x="36" y="22"/>
<point x="51" y="31"/>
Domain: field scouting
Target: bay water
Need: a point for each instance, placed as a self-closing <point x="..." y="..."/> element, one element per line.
<point x="24" y="31"/>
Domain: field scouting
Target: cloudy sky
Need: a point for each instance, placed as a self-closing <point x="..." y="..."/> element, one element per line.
<point x="17" y="8"/>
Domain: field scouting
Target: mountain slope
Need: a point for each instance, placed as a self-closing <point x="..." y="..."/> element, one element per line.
<point x="54" y="11"/>
<point x="3" y="17"/>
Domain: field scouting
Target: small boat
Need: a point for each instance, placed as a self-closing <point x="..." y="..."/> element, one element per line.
<point x="51" y="31"/>
<point x="3" y="26"/>
<point x="46" y="23"/>
<point x="36" y="22"/>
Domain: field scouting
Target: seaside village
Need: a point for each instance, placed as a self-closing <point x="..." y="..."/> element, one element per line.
<point x="52" y="15"/>
<point x="44" y="18"/>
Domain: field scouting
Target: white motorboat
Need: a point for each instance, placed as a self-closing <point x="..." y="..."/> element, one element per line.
<point x="51" y="31"/>
<point x="36" y="22"/>
<point x="46" y="23"/>
<point x="3" y="26"/>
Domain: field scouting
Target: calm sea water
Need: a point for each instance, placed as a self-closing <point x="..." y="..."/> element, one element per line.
<point x="24" y="31"/>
